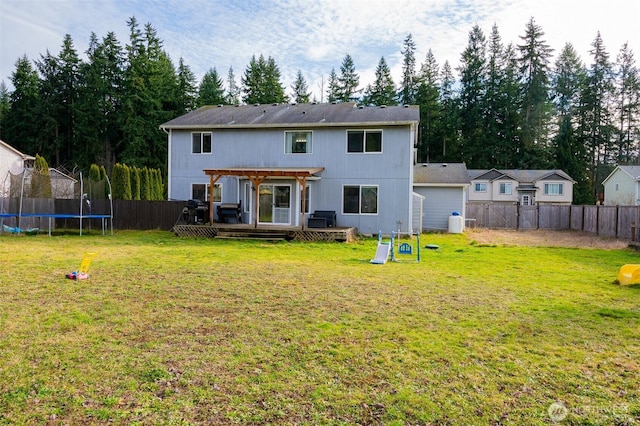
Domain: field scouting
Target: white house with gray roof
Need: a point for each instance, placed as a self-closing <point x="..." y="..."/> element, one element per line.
<point x="622" y="186"/>
<point x="526" y="187"/>
<point x="275" y="160"/>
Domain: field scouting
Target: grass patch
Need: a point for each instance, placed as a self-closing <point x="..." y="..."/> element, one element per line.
<point x="203" y="331"/>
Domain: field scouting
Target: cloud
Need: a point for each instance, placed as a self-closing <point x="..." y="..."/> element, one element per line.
<point x="310" y="35"/>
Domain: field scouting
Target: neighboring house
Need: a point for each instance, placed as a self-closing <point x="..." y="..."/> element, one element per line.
<point x="622" y="186"/>
<point x="276" y="159"/>
<point x="11" y="161"/>
<point x="526" y="187"/>
<point x="62" y="185"/>
<point x="444" y="187"/>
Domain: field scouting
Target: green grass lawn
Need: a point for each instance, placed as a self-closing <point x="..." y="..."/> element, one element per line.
<point x="202" y="331"/>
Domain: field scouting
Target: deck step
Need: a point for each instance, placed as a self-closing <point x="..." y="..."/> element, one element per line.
<point x="269" y="236"/>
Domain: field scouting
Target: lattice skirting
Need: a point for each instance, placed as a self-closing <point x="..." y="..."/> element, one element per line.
<point x="195" y="231"/>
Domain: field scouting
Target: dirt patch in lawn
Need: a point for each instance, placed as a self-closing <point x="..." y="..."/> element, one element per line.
<point x="544" y="238"/>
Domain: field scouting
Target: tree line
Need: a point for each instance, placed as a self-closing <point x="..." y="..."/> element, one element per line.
<point x="505" y="106"/>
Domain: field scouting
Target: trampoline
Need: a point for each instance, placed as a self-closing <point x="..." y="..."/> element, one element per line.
<point x="81" y="216"/>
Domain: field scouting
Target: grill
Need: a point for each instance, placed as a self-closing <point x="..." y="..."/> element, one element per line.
<point x="196" y="212"/>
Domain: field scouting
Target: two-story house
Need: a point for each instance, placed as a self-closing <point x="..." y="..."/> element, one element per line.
<point x="622" y="186"/>
<point x="526" y="187"/>
<point x="282" y="162"/>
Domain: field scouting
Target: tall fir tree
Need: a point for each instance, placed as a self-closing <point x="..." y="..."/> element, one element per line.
<point x="427" y="96"/>
<point x="211" y="90"/>
<point x="449" y="115"/>
<point x="19" y="127"/>
<point x="534" y="57"/>
<point x="597" y="128"/>
<point x="5" y="105"/>
<point x="348" y="81"/>
<point x="383" y="91"/>
<point x="408" y="85"/>
<point x="187" y="92"/>
<point x="567" y="152"/>
<point x="333" y="87"/>
<point x="233" y="90"/>
<point x="627" y="106"/>
<point x="99" y="120"/>
<point x="300" y="88"/>
<point x="472" y="69"/>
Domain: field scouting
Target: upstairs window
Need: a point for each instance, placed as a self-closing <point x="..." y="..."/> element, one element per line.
<point x="505" y="189"/>
<point x="553" y="188"/>
<point x="364" y="141"/>
<point x="201" y="143"/>
<point x="480" y="187"/>
<point x="297" y="142"/>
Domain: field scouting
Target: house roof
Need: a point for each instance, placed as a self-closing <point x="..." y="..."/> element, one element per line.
<point x="294" y="115"/>
<point x="632" y="171"/>
<point x="522" y="176"/>
<point x="18" y="153"/>
<point x="441" y="173"/>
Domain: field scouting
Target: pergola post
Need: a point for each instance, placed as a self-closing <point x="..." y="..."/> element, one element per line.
<point x="256" y="181"/>
<point x="212" y="181"/>
<point x="302" y="181"/>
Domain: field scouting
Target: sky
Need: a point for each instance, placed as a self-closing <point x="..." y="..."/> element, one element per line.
<point x="312" y="36"/>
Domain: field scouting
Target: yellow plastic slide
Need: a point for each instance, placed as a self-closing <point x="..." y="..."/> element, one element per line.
<point x="629" y="274"/>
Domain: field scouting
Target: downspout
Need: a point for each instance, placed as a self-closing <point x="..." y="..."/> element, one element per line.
<point x="168" y="161"/>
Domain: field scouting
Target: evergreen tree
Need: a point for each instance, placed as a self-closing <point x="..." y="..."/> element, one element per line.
<point x="501" y="102"/>
<point x="98" y="124"/>
<point x="348" y="81"/>
<point x="301" y="94"/>
<point x="567" y="152"/>
<point x="145" y="184"/>
<point x="449" y="115"/>
<point x="41" y="179"/>
<point x="121" y="182"/>
<point x="19" y="128"/>
<point x="135" y="183"/>
<point x="5" y="105"/>
<point x="596" y="129"/>
<point x="150" y="97"/>
<point x="59" y="87"/>
<point x="472" y="91"/>
<point x="274" y="89"/>
<point x="261" y="82"/>
<point x="187" y="91"/>
<point x="210" y="91"/>
<point x="233" y="90"/>
<point x="427" y="96"/>
<point x="536" y="105"/>
<point x="383" y="91"/>
<point x="333" y="89"/>
<point x="627" y="106"/>
<point x="408" y="86"/>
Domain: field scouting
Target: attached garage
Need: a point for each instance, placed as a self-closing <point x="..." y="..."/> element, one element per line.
<point x="444" y="188"/>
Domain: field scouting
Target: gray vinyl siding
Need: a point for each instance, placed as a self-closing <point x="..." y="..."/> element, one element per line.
<point x="389" y="170"/>
<point x="439" y="203"/>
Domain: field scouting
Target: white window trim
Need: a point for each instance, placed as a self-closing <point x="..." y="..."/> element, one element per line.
<point x="478" y="184"/>
<point x="360" y="213"/>
<point x="506" y="185"/>
<point x="560" y="186"/>
<point x="298" y="131"/>
<point x="364" y="141"/>
<point x="201" y="153"/>
<point x="206" y="191"/>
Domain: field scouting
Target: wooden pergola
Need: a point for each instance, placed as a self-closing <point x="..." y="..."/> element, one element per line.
<point x="258" y="175"/>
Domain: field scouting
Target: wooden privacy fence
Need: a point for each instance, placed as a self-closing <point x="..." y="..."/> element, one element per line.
<point x="606" y="221"/>
<point x="127" y="214"/>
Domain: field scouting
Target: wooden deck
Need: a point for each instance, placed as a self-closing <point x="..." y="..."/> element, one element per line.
<point x="265" y="232"/>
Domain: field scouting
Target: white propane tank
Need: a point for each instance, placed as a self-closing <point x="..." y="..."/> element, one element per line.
<point x="456" y="223"/>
